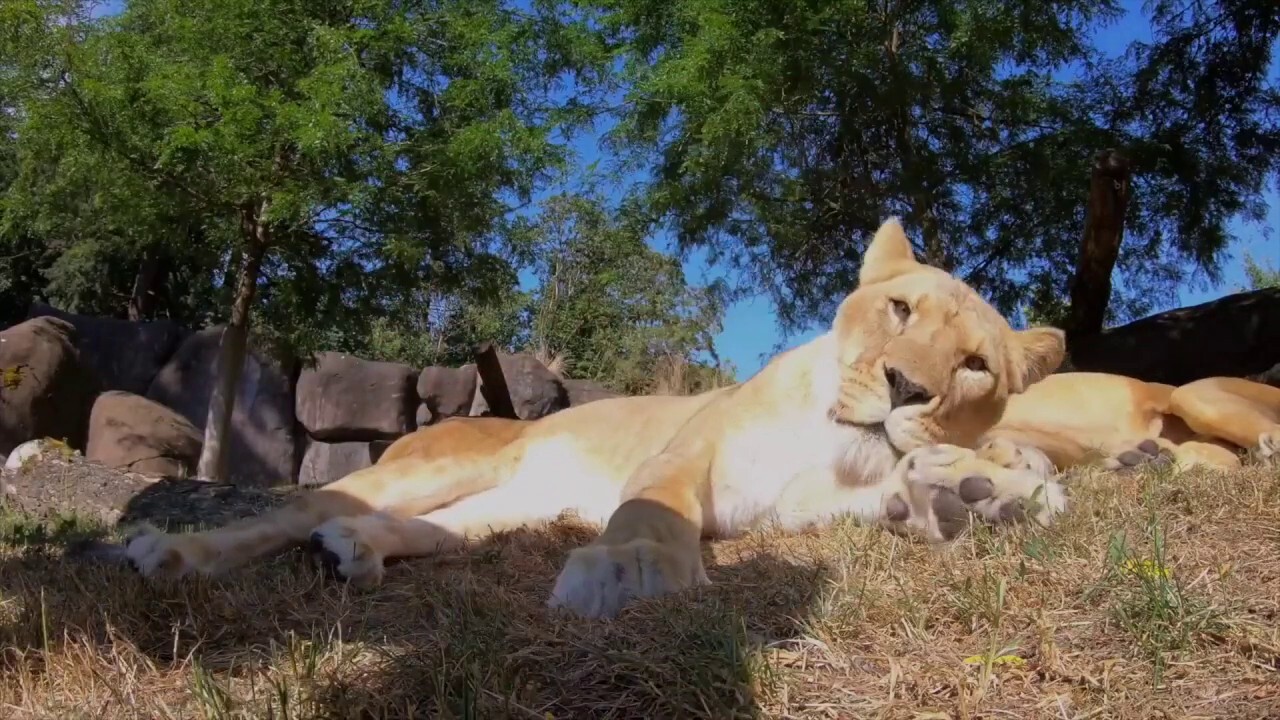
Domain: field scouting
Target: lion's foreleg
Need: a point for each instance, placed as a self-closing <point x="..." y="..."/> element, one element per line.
<point x="650" y="545"/>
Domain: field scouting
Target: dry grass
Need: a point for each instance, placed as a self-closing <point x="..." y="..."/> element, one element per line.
<point x="1157" y="597"/>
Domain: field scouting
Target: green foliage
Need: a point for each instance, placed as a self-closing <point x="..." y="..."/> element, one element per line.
<point x="609" y="305"/>
<point x="1260" y="276"/>
<point x="376" y="144"/>
<point x="780" y="134"/>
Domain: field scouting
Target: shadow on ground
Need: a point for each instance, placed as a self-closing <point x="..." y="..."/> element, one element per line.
<point x="462" y="635"/>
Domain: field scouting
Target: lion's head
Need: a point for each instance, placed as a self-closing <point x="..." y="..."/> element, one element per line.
<point x="924" y="356"/>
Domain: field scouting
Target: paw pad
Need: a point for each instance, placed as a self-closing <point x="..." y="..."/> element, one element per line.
<point x="1144" y="453"/>
<point x="975" y="488"/>
<point x="950" y="511"/>
<point x="1014" y="511"/>
<point x="896" y="509"/>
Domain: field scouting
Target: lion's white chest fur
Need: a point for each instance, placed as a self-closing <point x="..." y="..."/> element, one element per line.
<point x="798" y="445"/>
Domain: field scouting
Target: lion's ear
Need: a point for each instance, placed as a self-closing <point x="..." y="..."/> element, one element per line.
<point x="1037" y="353"/>
<point x="888" y="255"/>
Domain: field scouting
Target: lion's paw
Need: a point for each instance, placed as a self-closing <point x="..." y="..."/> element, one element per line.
<point x="154" y="553"/>
<point x="597" y="581"/>
<point x="343" y="552"/>
<point x="1269" y="446"/>
<point x="1011" y="455"/>
<point x="946" y="484"/>
<point x="1147" y="452"/>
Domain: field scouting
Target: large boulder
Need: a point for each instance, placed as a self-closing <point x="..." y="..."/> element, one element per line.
<point x="132" y="433"/>
<point x="323" y="462"/>
<point x="1235" y="336"/>
<point x="585" y="391"/>
<point x="262" y="432"/>
<point x="535" y="391"/>
<point x="125" y="355"/>
<point x="446" y="392"/>
<point x="46" y="390"/>
<point x="346" y="399"/>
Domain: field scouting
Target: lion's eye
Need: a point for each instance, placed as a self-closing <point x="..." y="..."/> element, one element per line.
<point x="976" y="363"/>
<point x="901" y="309"/>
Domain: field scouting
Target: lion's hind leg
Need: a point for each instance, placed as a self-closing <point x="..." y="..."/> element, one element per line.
<point x="354" y="549"/>
<point x="1244" y="413"/>
<point x="155" y="553"/>
<point x="397" y="487"/>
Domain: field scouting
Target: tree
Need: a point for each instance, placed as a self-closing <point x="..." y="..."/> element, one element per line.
<point x="335" y="155"/>
<point x="1260" y="276"/>
<point x="614" y="308"/>
<point x="777" y="135"/>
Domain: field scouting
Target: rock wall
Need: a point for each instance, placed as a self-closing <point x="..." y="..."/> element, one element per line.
<point x="135" y="396"/>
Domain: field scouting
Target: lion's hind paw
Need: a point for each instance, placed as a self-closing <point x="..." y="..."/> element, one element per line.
<point x="342" y="551"/>
<point x="1145" y="453"/>
<point x="154" y="553"/>
<point x="1268" y="450"/>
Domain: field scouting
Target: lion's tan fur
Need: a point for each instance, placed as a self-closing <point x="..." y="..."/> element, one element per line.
<point x="818" y="433"/>
<point x="1079" y="418"/>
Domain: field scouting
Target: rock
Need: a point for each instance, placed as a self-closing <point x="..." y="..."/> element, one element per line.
<point x="447" y="391"/>
<point x="132" y="433"/>
<point x="323" y="462"/>
<point x="34" y="451"/>
<point x="585" y="391"/>
<point x="45" y="388"/>
<point x="346" y="399"/>
<point x="423" y="416"/>
<point x="535" y="391"/>
<point x="1270" y="376"/>
<point x="126" y="355"/>
<point x="1235" y="336"/>
<point x="263" y="430"/>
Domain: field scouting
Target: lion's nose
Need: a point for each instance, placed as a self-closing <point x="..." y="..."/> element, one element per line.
<point x="902" y="391"/>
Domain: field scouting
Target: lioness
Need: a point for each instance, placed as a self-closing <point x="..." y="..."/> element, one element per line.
<point x="1078" y="418"/>
<point x="873" y="419"/>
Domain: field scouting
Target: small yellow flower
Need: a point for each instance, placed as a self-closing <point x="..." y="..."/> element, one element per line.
<point x="1146" y="568"/>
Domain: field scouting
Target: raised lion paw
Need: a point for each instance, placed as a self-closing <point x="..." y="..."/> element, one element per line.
<point x="945" y="485"/>
<point x="341" y="547"/>
<point x="597" y="581"/>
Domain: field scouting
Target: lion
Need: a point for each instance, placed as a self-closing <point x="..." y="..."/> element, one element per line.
<point x="878" y="419"/>
<point x="1075" y="419"/>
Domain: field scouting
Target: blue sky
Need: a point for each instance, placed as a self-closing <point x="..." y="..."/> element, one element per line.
<point x="750" y="329"/>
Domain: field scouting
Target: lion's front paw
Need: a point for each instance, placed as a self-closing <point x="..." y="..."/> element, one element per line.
<point x="154" y="553"/>
<point x="343" y="552"/>
<point x="599" y="580"/>
<point x="944" y="485"/>
<point x="1147" y="452"/>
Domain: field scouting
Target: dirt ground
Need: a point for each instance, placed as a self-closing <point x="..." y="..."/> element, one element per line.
<point x="1156" y="596"/>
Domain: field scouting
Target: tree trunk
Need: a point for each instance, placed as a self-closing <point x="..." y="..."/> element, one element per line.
<point x="150" y="277"/>
<point x="1099" y="246"/>
<point x="213" y="457"/>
